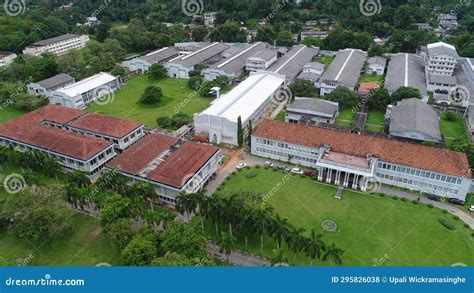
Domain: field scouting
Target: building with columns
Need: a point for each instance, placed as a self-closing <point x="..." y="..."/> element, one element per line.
<point x="357" y="161"/>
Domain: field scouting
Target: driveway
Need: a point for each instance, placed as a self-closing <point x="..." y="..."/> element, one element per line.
<point x="237" y="258"/>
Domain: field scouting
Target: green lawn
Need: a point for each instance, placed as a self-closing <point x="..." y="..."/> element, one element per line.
<point x="9" y="113"/>
<point x="280" y="116"/>
<point x="375" y="121"/>
<point x="346" y="117"/>
<point x="370" y="228"/>
<point x="326" y="60"/>
<point x="452" y="130"/>
<point x="177" y="98"/>
<point x="370" y="78"/>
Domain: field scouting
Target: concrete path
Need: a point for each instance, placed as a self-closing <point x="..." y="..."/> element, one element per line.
<point x="237" y="258"/>
<point x="439" y="204"/>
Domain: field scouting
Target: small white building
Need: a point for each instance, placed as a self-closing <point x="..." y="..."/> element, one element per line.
<point x="261" y="60"/>
<point x="376" y="65"/>
<point x="46" y="87"/>
<point x="57" y="45"/>
<point x="249" y="101"/>
<point x="311" y="111"/>
<point x="314" y="34"/>
<point x="210" y="18"/>
<point x="81" y="93"/>
<point x="6" y="58"/>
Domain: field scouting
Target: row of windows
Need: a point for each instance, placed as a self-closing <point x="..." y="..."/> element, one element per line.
<point x="281" y="154"/>
<point x="287" y="146"/>
<point x="419" y="173"/>
<point x="432" y="187"/>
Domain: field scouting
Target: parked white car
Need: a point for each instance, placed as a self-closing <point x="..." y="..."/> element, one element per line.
<point x="471" y="208"/>
<point x="297" y="171"/>
<point x="241" y="166"/>
<point x="269" y="164"/>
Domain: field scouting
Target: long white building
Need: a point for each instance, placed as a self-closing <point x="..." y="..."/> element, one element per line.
<point x="81" y="93"/>
<point x="249" y="100"/>
<point x="57" y="45"/>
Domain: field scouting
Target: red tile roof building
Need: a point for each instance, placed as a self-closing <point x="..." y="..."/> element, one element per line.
<point x="410" y="158"/>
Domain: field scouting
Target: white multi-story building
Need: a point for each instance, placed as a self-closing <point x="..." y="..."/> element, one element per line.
<point x="81" y="93"/>
<point x="6" y="58"/>
<point x="356" y="161"/>
<point x="57" y="45"/>
<point x="249" y="101"/>
<point x="441" y="59"/>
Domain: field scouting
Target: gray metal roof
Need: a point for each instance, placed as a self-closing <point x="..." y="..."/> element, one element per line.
<point x="266" y="55"/>
<point x="412" y="115"/>
<point x="345" y="69"/>
<point x="315" y="65"/>
<point x="56" y="80"/>
<point x="237" y="62"/>
<point x="308" y="105"/>
<point x="53" y="40"/>
<point x="406" y="70"/>
<point x="444" y="79"/>
<point x="201" y="55"/>
<point x="292" y="62"/>
<point x="309" y="76"/>
<point x="464" y="80"/>
<point x="160" y="55"/>
<point x="377" y="60"/>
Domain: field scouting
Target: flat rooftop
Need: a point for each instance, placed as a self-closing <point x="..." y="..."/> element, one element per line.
<point x="392" y="151"/>
<point x="347" y="159"/>
<point x="87" y="84"/>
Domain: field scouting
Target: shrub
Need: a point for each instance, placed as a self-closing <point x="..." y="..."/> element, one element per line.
<point x="466" y="225"/>
<point x="431" y="206"/>
<point x="415" y="201"/>
<point x="258" y="167"/>
<point x="381" y="194"/>
<point x="446" y="224"/>
<point x="251" y="175"/>
<point x="445" y="211"/>
<point x="404" y="199"/>
<point x="395" y="197"/>
<point x="450" y="116"/>
<point x="456" y="218"/>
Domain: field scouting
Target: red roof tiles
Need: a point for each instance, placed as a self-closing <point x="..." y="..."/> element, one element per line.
<point x="411" y="155"/>
<point x="138" y="156"/>
<point x="109" y="126"/>
<point x="178" y="168"/>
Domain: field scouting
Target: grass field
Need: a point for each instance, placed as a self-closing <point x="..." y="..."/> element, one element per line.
<point x="375" y="121"/>
<point x="372" y="230"/>
<point x="345" y="118"/>
<point x="84" y="245"/>
<point x="177" y="98"/>
<point x="9" y="113"/>
<point x="280" y="116"/>
<point x="452" y="130"/>
<point x="326" y="60"/>
<point x="370" y="78"/>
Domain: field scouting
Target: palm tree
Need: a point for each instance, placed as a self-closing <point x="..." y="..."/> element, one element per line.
<point x="315" y="246"/>
<point x="227" y="244"/>
<point x="279" y="228"/>
<point x="295" y="241"/>
<point x="261" y="222"/>
<point x="216" y="212"/>
<point x="247" y="225"/>
<point x="279" y="257"/>
<point x="333" y="254"/>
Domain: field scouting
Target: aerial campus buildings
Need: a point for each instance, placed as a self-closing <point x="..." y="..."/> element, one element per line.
<point x="57" y="45"/>
<point x="90" y="142"/>
<point x="357" y="161"/>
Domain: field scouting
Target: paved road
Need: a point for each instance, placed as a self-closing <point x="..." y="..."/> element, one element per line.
<point x="442" y="205"/>
<point x="237" y="258"/>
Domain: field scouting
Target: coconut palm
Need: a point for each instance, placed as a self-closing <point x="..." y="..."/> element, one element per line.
<point x="247" y="225"/>
<point x="295" y="240"/>
<point x="279" y="257"/>
<point x="261" y="223"/>
<point x="314" y="246"/>
<point x="333" y="254"/>
<point x="227" y="244"/>
<point x="279" y="228"/>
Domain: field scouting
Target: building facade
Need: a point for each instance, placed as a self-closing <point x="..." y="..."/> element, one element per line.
<point x="6" y="58"/>
<point x="46" y="87"/>
<point x="58" y="45"/>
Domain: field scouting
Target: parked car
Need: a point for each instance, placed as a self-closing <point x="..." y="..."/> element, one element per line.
<point x="471" y="208"/>
<point x="434" y="197"/>
<point x="241" y="166"/>
<point x="456" y="201"/>
<point x="269" y="164"/>
<point x="297" y="171"/>
<point x="281" y="168"/>
<point x="309" y="173"/>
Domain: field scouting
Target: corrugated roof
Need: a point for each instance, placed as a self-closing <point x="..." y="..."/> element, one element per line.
<point x="291" y="64"/>
<point x="406" y="70"/>
<point x="53" y="40"/>
<point x="56" y="80"/>
<point x="346" y="67"/>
